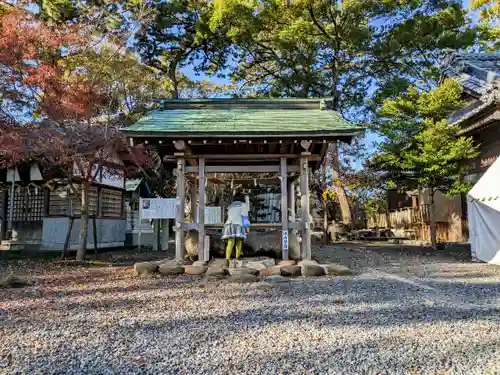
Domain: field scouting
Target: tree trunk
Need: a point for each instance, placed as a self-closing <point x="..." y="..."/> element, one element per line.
<point x="84" y="223"/>
<point x="339" y="190"/>
<point x="174" y="93"/>
<point x="432" y="219"/>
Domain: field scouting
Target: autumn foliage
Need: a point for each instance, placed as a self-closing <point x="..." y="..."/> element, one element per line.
<point x="61" y="80"/>
<point x="49" y="75"/>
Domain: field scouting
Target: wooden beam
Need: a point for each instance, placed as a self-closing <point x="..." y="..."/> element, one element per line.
<point x="247" y="156"/>
<point x="190" y="226"/>
<point x="284" y="208"/>
<point x="305" y="245"/>
<point x="291" y="200"/>
<point x="243" y="169"/>
<point x="305" y="144"/>
<point x="180" y="145"/>
<point x="201" y="211"/>
<point x="179" y="215"/>
<point x="194" y="191"/>
<point x="255" y="226"/>
<point x="183" y="147"/>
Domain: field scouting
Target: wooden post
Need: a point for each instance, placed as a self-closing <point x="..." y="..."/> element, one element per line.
<point x="94" y="232"/>
<point x="193" y="201"/>
<point x="305" y="246"/>
<point x="68" y="236"/>
<point x="284" y="208"/>
<point x="156" y="234"/>
<point x="165" y="234"/>
<point x="179" y="215"/>
<point x="201" y="211"/>
<point x="139" y="227"/>
<point x="291" y="201"/>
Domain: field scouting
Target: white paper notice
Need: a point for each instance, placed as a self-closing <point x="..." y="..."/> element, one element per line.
<point x="158" y="208"/>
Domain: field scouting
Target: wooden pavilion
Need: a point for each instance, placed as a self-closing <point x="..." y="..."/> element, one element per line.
<point x="288" y="137"/>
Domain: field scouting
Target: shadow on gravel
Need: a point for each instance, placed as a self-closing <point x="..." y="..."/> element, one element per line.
<point x="351" y="359"/>
<point x="250" y="319"/>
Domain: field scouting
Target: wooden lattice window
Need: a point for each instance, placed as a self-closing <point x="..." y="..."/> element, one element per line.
<point x="28" y="204"/>
<point x="76" y="201"/>
<point x="59" y="202"/>
<point x="111" y="203"/>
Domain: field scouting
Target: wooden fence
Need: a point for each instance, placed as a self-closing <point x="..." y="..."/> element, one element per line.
<point x="414" y="224"/>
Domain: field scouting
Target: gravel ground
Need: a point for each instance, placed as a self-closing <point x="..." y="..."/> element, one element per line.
<point x="403" y="313"/>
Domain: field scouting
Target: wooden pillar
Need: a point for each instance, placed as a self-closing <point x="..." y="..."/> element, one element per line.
<point x="156" y="234"/>
<point x="291" y="201"/>
<point x="165" y="236"/>
<point x="305" y="246"/>
<point x="179" y="215"/>
<point x="193" y="201"/>
<point x="284" y="208"/>
<point x="201" y="211"/>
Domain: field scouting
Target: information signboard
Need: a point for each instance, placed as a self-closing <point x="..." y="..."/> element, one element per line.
<point x="157" y="208"/>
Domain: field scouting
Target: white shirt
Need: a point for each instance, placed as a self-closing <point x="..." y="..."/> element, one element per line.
<point x="235" y="211"/>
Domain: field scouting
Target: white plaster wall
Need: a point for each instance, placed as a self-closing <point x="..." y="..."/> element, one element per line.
<point x="110" y="233"/>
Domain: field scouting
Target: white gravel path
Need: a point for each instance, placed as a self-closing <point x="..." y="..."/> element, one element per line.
<point x="401" y="314"/>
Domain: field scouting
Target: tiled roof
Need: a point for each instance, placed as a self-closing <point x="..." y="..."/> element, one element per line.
<point x="476" y="72"/>
<point x="479" y="75"/>
<point x="244" y="116"/>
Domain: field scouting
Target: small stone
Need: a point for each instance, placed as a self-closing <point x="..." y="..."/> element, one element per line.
<point x="261" y="264"/>
<point x="241" y="271"/>
<point x="145" y="269"/>
<point x="234" y="263"/>
<point x="288" y="262"/>
<point x="195" y="270"/>
<point x="276" y="279"/>
<point x="312" y="270"/>
<point x="199" y="263"/>
<point x="243" y="278"/>
<point x="126" y="322"/>
<point x="168" y="270"/>
<point x="215" y="271"/>
<point x="172" y="262"/>
<point x="217" y="262"/>
<point x="335" y="269"/>
<point x="291" y="271"/>
<point x="307" y="262"/>
<point x="272" y="271"/>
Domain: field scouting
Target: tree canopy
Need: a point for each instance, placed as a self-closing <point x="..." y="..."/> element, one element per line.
<point x="345" y="50"/>
<point x="420" y="150"/>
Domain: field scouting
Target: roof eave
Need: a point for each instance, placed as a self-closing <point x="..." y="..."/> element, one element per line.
<point x="319" y="134"/>
<point x="495" y="116"/>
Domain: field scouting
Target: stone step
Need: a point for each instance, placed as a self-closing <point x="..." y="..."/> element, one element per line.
<point x="8" y="246"/>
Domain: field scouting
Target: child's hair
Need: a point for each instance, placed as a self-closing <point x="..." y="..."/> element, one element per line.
<point x="238" y="197"/>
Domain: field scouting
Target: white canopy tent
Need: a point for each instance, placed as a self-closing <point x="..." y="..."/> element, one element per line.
<point x="483" y="205"/>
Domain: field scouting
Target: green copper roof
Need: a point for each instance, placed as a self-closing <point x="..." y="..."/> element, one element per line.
<point x="247" y="116"/>
<point x="132" y="185"/>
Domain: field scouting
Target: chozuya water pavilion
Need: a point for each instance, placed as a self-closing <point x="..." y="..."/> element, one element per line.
<point x="288" y="137"/>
